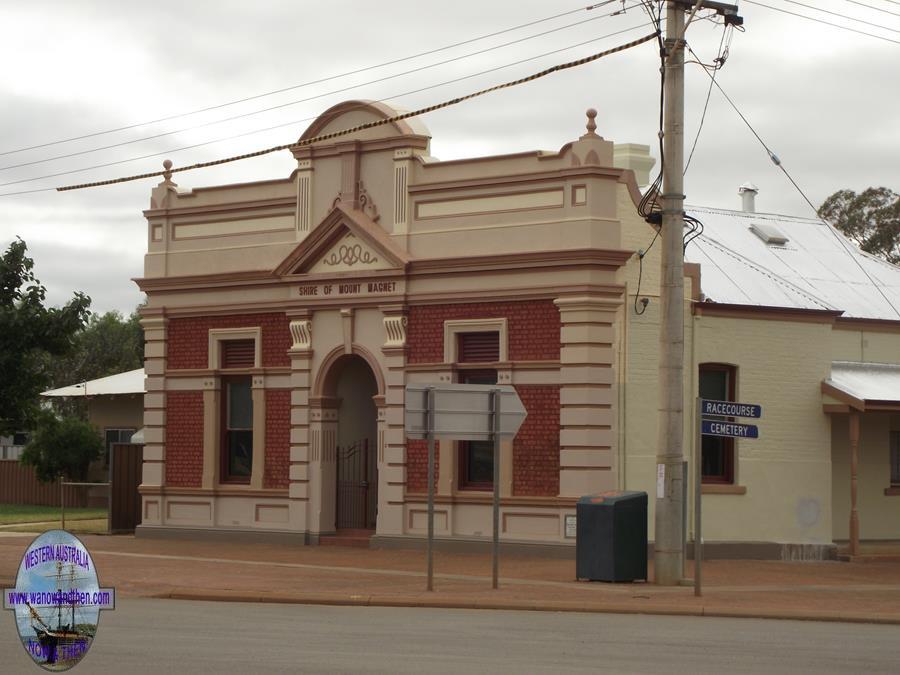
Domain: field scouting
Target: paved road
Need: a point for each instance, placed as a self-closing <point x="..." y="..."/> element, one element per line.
<point x="172" y="636"/>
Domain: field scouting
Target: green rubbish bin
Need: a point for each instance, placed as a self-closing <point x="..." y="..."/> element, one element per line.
<point x="611" y="536"/>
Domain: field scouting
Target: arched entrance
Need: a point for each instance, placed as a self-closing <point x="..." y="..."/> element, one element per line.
<point x="351" y="382"/>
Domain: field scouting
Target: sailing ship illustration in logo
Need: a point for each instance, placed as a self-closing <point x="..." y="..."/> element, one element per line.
<point x="57" y="600"/>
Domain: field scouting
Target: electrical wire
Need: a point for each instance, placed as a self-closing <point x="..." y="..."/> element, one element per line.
<point x="648" y="207"/>
<point x="312" y="82"/>
<point x="778" y="163"/>
<point x="827" y="23"/>
<point x="369" y="125"/>
<point x="718" y="64"/>
<point x="842" y="16"/>
<point x="876" y="9"/>
<point x="296" y="122"/>
<point x="306" y="100"/>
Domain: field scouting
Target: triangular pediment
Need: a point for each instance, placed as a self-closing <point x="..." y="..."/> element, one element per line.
<point x="347" y="240"/>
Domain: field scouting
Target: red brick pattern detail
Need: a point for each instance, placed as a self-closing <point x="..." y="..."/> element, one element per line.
<point x="536" y="446"/>
<point x="188" y="338"/>
<point x="533" y="327"/>
<point x="417" y="465"/>
<point x="184" y="438"/>
<point x="278" y="438"/>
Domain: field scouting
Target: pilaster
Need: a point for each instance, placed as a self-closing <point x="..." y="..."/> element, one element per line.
<point x="304" y="177"/>
<point x="391" y="434"/>
<point x="300" y="354"/>
<point x="153" y="470"/>
<point x="587" y="397"/>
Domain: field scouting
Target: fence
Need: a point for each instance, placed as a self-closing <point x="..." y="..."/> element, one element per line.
<point x="19" y="485"/>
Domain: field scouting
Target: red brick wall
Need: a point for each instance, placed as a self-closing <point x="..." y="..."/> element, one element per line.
<point x="184" y="438"/>
<point x="536" y="446"/>
<point x="533" y="327"/>
<point x="188" y="338"/>
<point x="278" y="438"/>
<point x="417" y="465"/>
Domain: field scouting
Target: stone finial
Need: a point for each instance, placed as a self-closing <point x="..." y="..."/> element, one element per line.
<point x="167" y="174"/>
<point x="591" y="124"/>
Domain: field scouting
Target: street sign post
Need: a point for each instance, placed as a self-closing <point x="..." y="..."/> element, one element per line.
<point x="465" y="412"/>
<point x="722" y="427"/>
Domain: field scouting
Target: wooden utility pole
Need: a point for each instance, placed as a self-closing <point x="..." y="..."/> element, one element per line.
<point x="669" y="538"/>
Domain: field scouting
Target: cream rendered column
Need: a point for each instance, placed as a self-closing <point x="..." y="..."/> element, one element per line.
<point x="391" y="435"/>
<point x="300" y="354"/>
<point x="304" y="179"/>
<point x="153" y="471"/>
<point x="322" y="465"/>
<point x="587" y="377"/>
<point x="258" y="465"/>
<point x="402" y="172"/>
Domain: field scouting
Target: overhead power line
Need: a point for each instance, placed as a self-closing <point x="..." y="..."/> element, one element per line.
<point x="875" y="9"/>
<point x="294" y="122"/>
<point x="827" y="23"/>
<point x="778" y="163"/>
<point x="842" y="16"/>
<point x="311" y="82"/>
<point x="306" y="100"/>
<point x="377" y="123"/>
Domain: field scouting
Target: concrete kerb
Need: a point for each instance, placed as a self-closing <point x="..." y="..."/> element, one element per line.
<point x="513" y="605"/>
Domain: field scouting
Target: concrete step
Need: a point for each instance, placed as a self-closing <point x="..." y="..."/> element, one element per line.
<point x="350" y="538"/>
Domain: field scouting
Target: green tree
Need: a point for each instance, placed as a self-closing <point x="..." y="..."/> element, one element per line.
<point x="29" y="331"/>
<point x="108" y="344"/>
<point x="870" y="218"/>
<point x="61" y="446"/>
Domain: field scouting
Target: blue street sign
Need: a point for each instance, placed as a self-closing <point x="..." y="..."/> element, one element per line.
<point x="732" y="429"/>
<point x="730" y="409"/>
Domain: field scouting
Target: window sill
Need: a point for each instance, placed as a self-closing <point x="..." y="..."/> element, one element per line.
<point x="893" y="491"/>
<point x="717" y="489"/>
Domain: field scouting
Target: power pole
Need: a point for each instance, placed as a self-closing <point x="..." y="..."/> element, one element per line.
<point x="669" y="539"/>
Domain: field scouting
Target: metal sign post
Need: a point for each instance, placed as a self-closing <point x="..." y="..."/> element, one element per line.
<point x="465" y="412"/>
<point x="715" y="427"/>
<point x="429" y="432"/>
<point x="698" y="492"/>
<point x="495" y="549"/>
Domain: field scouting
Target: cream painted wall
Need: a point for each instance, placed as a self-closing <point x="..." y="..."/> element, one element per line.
<point x="117" y="412"/>
<point x="865" y="345"/>
<point x="879" y="514"/>
<point x="787" y="471"/>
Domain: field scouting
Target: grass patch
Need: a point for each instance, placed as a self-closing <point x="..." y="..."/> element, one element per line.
<point x="93" y="526"/>
<point x="28" y="513"/>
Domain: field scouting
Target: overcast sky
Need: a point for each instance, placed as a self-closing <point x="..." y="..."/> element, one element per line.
<point x="824" y="99"/>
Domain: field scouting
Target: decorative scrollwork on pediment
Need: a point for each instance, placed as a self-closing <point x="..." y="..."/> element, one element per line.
<point x="366" y="205"/>
<point x="350" y="255"/>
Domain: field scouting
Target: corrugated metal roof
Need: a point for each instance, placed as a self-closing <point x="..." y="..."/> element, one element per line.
<point x="817" y="268"/>
<point x="866" y="381"/>
<point x="131" y="382"/>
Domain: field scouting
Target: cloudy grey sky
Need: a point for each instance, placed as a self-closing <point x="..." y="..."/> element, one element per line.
<point x="824" y="99"/>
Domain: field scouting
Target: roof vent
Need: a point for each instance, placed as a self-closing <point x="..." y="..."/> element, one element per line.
<point x="769" y="234"/>
<point x="748" y="192"/>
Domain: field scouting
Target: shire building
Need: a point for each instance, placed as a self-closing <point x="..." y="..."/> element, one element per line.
<point x="285" y="318"/>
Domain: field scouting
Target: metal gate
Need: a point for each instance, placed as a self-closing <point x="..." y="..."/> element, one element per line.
<point x="124" y="477"/>
<point x="355" y="475"/>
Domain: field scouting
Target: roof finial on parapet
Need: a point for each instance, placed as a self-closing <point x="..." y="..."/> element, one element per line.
<point x="591" y="124"/>
<point x="167" y="174"/>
